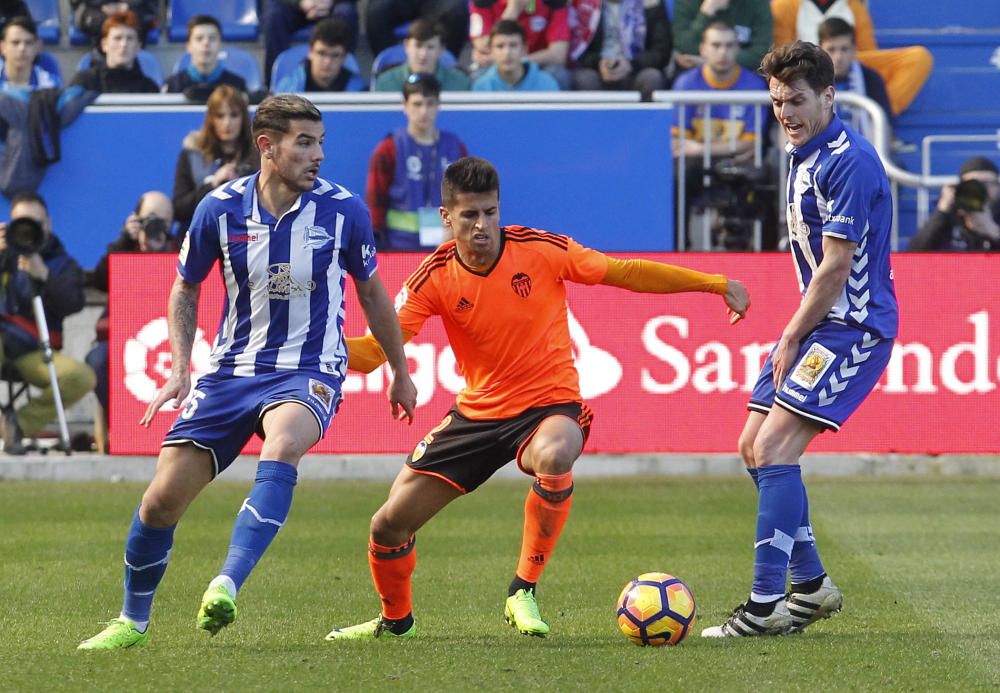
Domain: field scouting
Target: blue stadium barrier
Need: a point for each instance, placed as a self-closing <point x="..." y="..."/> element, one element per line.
<point x="234" y="59"/>
<point x="46" y="16"/>
<point x="592" y="182"/>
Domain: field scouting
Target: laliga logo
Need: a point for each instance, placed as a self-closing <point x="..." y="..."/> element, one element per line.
<point x="147" y="360"/>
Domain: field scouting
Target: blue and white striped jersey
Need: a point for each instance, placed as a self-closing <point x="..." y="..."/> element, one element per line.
<point x="838" y="187"/>
<point x="284" y="278"/>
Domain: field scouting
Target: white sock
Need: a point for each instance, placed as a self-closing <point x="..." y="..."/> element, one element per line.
<point x="140" y="626"/>
<point x="226" y="582"/>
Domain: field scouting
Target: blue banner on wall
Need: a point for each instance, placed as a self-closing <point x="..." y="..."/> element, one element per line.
<point x="601" y="174"/>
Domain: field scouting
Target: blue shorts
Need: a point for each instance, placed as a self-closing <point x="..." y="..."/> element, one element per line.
<point x="836" y="368"/>
<point x="223" y="411"/>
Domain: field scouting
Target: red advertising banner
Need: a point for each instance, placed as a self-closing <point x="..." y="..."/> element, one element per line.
<point x="663" y="373"/>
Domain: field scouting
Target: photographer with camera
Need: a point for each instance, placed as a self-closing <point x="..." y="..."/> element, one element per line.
<point x="967" y="214"/>
<point x="33" y="262"/>
<point x="146" y="230"/>
<point x="217" y="153"/>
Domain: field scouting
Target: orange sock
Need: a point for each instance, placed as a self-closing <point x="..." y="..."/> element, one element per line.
<point x="391" y="568"/>
<point x="545" y="511"/>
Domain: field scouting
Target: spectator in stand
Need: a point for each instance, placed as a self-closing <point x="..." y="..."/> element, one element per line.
<point x="204" y="73"/>
<point x="48" y="271"/>
<point x="282" y="18"/>
<point x="19" y="47"/>
<point x="620" y="44"/>
<point x="323" y="69"/>
<point x="511" y="70"/>
<point x="223" y="149"/>
<point x="146" y="230"/>
<point x="404" y="176"/>
<point x="905" y="70"/>
<point x="120" y="72"/>
<point x="546" y="27"/>
<point x="733" y="128"/>
<point x="384" y="17"/>
<point x="423" y="45"/>
<point x="751" y="19"/>
<point x="836" y="37"/>
<point x="967" y="217"/>
<point x="90" y="16"/>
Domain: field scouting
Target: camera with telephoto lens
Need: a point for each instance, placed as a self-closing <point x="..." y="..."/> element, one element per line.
<point x="156" y="229"/>
<point x="737" y="197"/>
<point x="970" y="195"/>
<point x="25" y="236"/>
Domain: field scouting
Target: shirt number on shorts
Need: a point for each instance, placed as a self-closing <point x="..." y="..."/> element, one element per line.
<point x="192" y="405"/>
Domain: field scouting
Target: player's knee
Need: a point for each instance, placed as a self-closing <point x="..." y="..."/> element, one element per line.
<point x="388" y="530"/>
<point x="765" y="451"/>
<point x="285" y="446"/>
<point x="159" y="508"/>
<point x="552" y="456"/>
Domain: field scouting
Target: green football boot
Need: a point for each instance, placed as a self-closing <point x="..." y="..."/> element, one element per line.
<point x="218" y="609"/>
<point x="369" y="630"/>
<point x="119" y="634"/>
<point x="521" y="611"/>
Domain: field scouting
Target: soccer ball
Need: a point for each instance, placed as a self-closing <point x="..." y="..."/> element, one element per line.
<point x="655" y="609"/>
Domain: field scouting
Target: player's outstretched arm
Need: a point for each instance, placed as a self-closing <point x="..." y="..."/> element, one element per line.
<point x="647" y="276"/>
<point x="385" y="328"/>
<point x="182" y="323"/>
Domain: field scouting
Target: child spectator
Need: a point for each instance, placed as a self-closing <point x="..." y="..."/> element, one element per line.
<point x="511" y="70"/>
<point x="323" y="69"/>
<point x="424" y="44"/>
<point x="20" y="47"/>
<point x="204" y="73"/>
<point x="120" y="73"/>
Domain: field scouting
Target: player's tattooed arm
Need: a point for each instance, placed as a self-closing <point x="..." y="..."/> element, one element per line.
<point x="182" y="323"/>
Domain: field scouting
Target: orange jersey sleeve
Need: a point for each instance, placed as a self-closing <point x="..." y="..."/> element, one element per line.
<point x="508" y="325"/>
<point x="646" y="276"/>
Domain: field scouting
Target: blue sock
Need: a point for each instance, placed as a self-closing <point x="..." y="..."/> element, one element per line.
<point x="779" y="510"/>
<point x="754" y="474"/>
<point x="260" y="518"/>
<point x="147" y="551"/>
<point x="805" y="564"/>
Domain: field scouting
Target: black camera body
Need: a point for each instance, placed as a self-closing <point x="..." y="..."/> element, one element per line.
<point x="156" y="229"/>
<point x="971" y="195"/>
<point x="737" y="195"/>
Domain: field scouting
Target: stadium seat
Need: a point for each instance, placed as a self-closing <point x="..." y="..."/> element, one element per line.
<point x="396" y="55"/>
<point x="48" y="62"/>
<point x="46" y="16"/>
<point x="148" y="63"/>
<point x="237" y="61"/>
<point x="289" y="59"/>
<point x="238" y="18"/>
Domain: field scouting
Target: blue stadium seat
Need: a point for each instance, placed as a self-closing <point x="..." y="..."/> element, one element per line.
<point x="46" y="16"/>
<point x="237" y="61"/>
<point x="238" y="18"/>
<point x="148" y="63"/>
<point x="396" y="55"/>
<point x="289" y="59"/>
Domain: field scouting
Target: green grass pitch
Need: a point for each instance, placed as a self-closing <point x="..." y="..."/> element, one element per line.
<point x="917" y="560"/>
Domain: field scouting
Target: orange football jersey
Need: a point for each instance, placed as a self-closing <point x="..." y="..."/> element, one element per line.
<point x="507" y="325"/>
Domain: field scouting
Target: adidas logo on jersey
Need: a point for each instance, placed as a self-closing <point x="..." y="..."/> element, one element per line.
<point x="463" y="305"/>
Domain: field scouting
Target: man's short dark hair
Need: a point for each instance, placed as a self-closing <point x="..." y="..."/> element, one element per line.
<point x="420" y="83"/>
<point x="799" y="60"/>
<point x="423" y="29"/>
<point x="26" y="23"/>
<point x="28" y="197"/>
<point x="508" y="27"/>
<point x="275" y="113"/>
<point x="978" y="163"/>
<point x="835" y="27"/>
<point x="470" y="174"/>
<point x="333" y="31"/>
<point x="718" y="25"/>
<point x="201" y="20"/>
